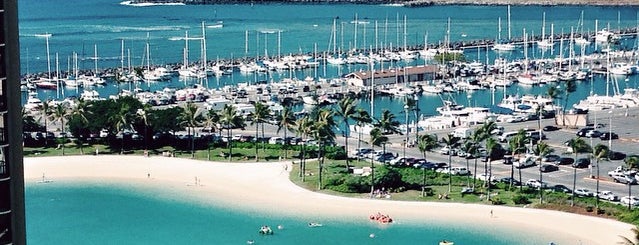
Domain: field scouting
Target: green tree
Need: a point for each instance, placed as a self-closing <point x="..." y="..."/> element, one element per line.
<point x="361" y="118"/>
<point x="303" y="127"/>
<point x="229" y="120"/>
<point x="577" y="145"/>
<point x="210" y="121"/>
<point x="346" y="110"/>
<point x="286" y="122"/>
<point x="600" y="152"/>
<point x="571" y="87"/>
<point x="542" y="150"/>
<point x="261" y="114"/>
<point x="59" y="114"/>
<point x="450" y="141"/>
<point x="491" y="145"/>
<point x="387" y="123"/>
<point x="191" y="118"/>
<point x="80" y="111"/>
<point x="517" y="145"/>
<point x="377" y="138"/>
<point x="45" y="113"/>
<point x="145" y="114"/>
<point x="122" y="121"/>
<point x="426" y="143"/>
<point x="323" y="133"/>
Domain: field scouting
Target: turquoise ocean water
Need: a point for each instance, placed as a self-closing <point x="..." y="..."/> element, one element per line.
<point x="99" y="213"/>
<point x="86" y="213"/>
<point x="106" y="23"/>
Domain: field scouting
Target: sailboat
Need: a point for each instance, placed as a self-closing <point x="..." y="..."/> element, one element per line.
<point x="545" y="43"/>
<point x="581" y="40"/>
<point x="335" y="58"/>
<point x="504" y="46"/>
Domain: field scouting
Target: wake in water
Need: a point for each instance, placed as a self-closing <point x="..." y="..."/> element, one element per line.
<point x="131" y="3"/>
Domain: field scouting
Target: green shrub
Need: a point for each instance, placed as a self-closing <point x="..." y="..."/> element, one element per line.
<point x="520" y="199"/>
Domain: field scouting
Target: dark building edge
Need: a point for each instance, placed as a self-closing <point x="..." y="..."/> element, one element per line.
<point x="12" y="128"/>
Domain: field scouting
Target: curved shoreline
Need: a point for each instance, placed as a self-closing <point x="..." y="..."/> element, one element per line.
<point x="253" y="186"/>
<point x="400" y="3"/>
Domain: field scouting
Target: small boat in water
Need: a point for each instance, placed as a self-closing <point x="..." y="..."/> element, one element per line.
<point x="313" y="224"/>
<point x="446" y="242"/>
<point x="266" y="230"/>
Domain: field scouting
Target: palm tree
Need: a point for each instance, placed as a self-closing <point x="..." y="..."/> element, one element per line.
<point x="599" y="152"/>
<point x="554" y="93"/>
<point x="377" y="138"/>
<point x="425" y="143"/>
<point x="323" y="134"/>
<point x="577" y="145"/>
<point x="542" y="150"/>
<point x="627" y="241"/>
<point x="450" y="141"/>
<point x="60" y="113"/>
<point x="45" y="113"/>
<point x="346" y="110"/>
<point x="470" y="148"/>
<point x="571" y="86"/>
<point x="632" y="162"/>
<point x="387" y="123"/>
<point x="303" y="127"/>
<point x="517" y="145"/>
<point x="210" y="120"/>
<point x="362" y="118"/>
<point x="121" y="120"/>
<point x="260" y="115"/>
<point x="491" y="145"/>
<point x="229" y="120"/>
<point x="145" y="114"/>
<point x="286" y="121"/>
<point x="190" y="117"/>
<point x="80" y="109"/>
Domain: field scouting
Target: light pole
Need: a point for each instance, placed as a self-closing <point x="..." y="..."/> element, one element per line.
<point x="610" y="130"/>
<point x="407" y="127"/>
<point x="415" y="126"/>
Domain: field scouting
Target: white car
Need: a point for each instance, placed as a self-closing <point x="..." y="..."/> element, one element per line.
<point x="447" y="151"/>
<point x="535" y="183"/>
<point x="485" y="177"/>
<point x="455" y="171"/>
<point x="524" y="162"/>
<point x="632" y="200"/>
<point x="608" y="195"/>
<point x="583" y="192"/>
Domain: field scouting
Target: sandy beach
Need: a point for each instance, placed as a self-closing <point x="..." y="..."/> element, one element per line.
<point x="265" y="186"/>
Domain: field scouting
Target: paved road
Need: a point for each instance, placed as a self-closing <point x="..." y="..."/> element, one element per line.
<point x="626" y="125"/>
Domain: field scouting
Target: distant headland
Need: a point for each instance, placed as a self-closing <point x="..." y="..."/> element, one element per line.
<point x="405" y="3"/>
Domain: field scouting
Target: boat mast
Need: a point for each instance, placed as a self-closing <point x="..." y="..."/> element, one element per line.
<point x="57" y="76"/>
<point x="405" y="33"/>
<point x="355" y="40"/>
<point x="204" y="58"/>
<point x="185" y="54"/>
<point x="246" y="37"/>
<point x="509" y="36"/>
<point x="95" y="58"/>
<point x="122" y="54"/>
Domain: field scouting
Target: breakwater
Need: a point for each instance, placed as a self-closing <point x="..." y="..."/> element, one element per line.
<point x="410" y="3"/>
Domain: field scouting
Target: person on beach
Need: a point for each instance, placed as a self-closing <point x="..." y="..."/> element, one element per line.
<point x="491" y="213"/>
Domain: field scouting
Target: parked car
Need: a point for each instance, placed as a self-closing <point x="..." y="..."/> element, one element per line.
<point x="507" y="180"/>
<point x="446" y="151"/>
<point x="524" y="162"/>
<point x="550" y="128"/>
<point x="621" y="170"/>
<point x="593" y="134"/>
<point x="550" y="158"/>
<point x="581" y="163"/>
<point x="548" y="168"/>
<point x="582" y="132"/>
<point x="583" y="192"/>
<point x="608" y="195"/>
<point x="535" y="183"/>
<point x="630" y="200"/>
<point x="360" y="152"/>
<point x="565" y="161"/>
<point x="608" y="135"/>
<point x="615" y="155"/>
<point x="624" y="179"/>
<point x="561" y="188"/>
<point x="455" y="171"/>
<point x="485" y="177"/>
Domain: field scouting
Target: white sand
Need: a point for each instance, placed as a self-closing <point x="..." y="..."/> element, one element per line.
<point x="258" y="186"/>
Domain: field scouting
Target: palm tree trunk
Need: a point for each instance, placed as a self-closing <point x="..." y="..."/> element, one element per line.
<point x="359" y="140"/>
<point x="597" y="191"/>
<point x="423" y="181"/>
<point x="541" y="180"/>
<point x="468" y="167"/>
<point x="208" y="151"/>
<point x="450" y="173"/>
<point x="192" y="142"/>
<point x="320" y="160"/>
<point x="257" y="134"/>
<point x="519" y="170"/>
<point x="372" y="172"/>
<point x="347" y="134"/>
<point x="285" y="145"/>
<point x="488" y="175"/>
<point x="574" y="184"/>
<point x="230" y="143"/>
<point x="474" y="171"/>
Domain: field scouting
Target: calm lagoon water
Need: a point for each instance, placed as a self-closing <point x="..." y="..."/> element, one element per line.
<point x="99" y="213"/>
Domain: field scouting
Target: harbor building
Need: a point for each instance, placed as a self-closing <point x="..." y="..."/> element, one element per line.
<point x="12" y="217"/>
<point x="392" y="76"/>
